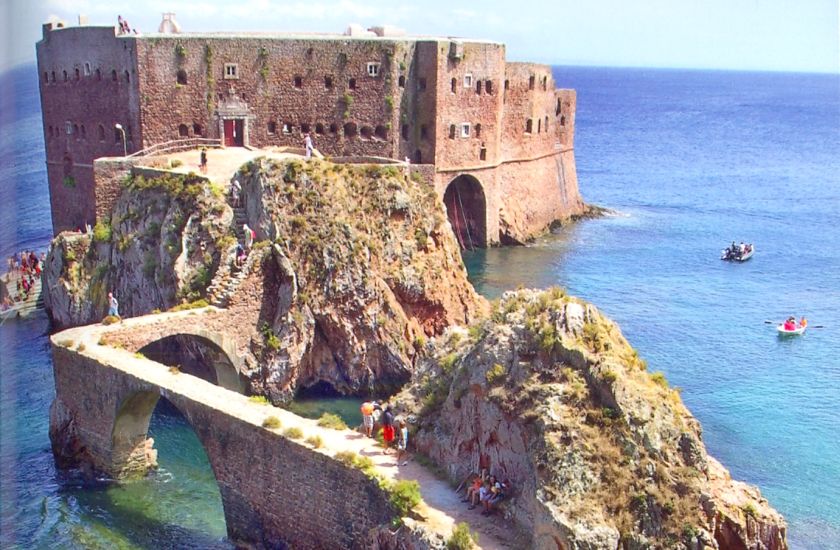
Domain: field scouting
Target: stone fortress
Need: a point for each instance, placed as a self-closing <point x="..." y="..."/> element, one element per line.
<point x="495" y="138"/>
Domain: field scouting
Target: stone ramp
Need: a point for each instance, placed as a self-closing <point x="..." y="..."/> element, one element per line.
<point x="441" y="509"/>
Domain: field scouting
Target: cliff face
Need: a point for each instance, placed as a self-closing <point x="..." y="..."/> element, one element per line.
<point x="602" y="454"/>
<point x="365" y="268"/>
<point x="160" y="245"/>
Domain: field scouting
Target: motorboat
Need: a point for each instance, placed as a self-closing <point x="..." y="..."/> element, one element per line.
<point x="738" y="253"/>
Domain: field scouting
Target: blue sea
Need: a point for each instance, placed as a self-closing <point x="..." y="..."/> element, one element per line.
<point x="688" y="160"/>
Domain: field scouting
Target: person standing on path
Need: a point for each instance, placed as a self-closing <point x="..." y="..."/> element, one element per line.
<point x="387" y="428"/>
<point x="402" y="444"/>
<point x="235" y="190"/>
<point x="307" y="145"/>
<point x="367" y="418"/>
<point x="203" y="160"/>
<point x="113" y="306"/>
<point x="249" y="237"/>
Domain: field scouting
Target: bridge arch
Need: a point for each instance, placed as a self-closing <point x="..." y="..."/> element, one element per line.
<point x="466" y="208"/>
<point x="206" y="355"/>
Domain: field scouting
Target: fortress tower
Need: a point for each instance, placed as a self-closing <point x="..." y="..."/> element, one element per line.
<point x="494" y="138"/>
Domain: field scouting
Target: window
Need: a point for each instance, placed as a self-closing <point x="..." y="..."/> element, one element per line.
<point x="465" y="129"/>
<point x="197" y="129"/>
<point x="418" y="157"/>
<point x="452" y="131"/>
<point x="101" y="132"/>
<point x="305" y="128"/>
<point x="401" y="81"/>
<point x="557" y="109"/>
<point x="52" y="76"/>
<point x="404" y="132"/>
<point x="477" y="87"/>
<point x="87" y="69"/>
<point x="488" y="86"/>
<point x="65" y="76"/>
<point x="182" y="77"/>
<point x="507" y="85"/>
<point x="117" y="136"/>
<point x="333" y="128"/>
<point x="478" y="130"/>
<point x="76" y="130"/>
<point x="68" y="128"/>
<point x="46" y="77"/>
<point x="453" y="84"/>
<point x="482" y="153"/>
<point x="78" y="74"/>
<point x="114" y="75"/>
<point x="50" y="132"/>
<point x="287" y="128"/>
<point x="298" y="82"/>
<point x="84" y="132"/>
<point x="328" y="83"/>
<point x="231" y="71"/>
<point x="350" y="130"/>
<point x="531" y="82"/>
<point x="98" y="74"/>
<point x="272" y="127"/>
<point x="562" y="120"/>
<point x="539" y="125"/>
<point x="468" y="80"/>
<point x="545" y="82"/>
<point x="319" y="128"/>
<point x="424" y="132"/>
<point x="351" y="83"/>
<point x="183" y="131"/>
<point x="366" y="132"/>
<point x="545" y="126"/>
<point x="373" y="69"/>
<point x="381" y="132"/>
<point x="529" y="126"/>
<point x="421" y="84"/>
<point x="127" y="76"/>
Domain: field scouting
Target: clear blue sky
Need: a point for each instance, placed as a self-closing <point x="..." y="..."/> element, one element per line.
<point x="776" y="35"/>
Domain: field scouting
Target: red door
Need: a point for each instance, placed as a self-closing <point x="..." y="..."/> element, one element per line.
<point x="229" y="133"/>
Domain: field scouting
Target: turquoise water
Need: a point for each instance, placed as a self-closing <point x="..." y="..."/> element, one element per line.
<point x="691" y="160"/>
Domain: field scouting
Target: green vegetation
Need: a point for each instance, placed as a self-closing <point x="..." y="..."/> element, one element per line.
<point x="195" y="304"/>
<point x="462" y="538"/>
<point x="139" y="355"/>
<point x="175" y="163"/>
<point x="749" y="509"/>
<point x="102" y="232"/>
<point x="293" y="433"/>
<point x="495" y="374"/>
<point x="362" y="463"/>
<point x="404" y="495"/>
<point x="272" y="423"/>
<point x="332" y="421"/>
<point x="609" y="376"/>
<point x="271" y="339"/>
<point x="259" y="399"/>
<point x="110" y="320"/>
<point x="69" y="181"/>
<point x="315" y="441"/>
<point x="389" y="103"/>
<point x="180" y="51"/>
<point x="659" y="378"/>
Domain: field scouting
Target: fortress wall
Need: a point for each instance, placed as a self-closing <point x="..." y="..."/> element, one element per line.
<point x="274" y="491"/>
<point x="79" y="113"/>
<point x="522" y="103"/>
<point x="478" y="80"/>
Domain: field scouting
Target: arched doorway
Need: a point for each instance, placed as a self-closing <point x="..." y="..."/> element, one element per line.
<point x="197" y="356"/>
<point x="466" y="208"/>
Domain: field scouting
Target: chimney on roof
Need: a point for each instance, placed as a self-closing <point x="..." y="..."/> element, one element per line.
<point x="169" y="25"/>
<point x="83" y="20"/>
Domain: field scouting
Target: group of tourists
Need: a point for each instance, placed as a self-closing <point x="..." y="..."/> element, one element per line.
<point x="24" y="268"/>
<point x="790" y="323"/>
<point x="124" y="27"/>
<point x="484" y="490"/>
<point x="373" y="415"/>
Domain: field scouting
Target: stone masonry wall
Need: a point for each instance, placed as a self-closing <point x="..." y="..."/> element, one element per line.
<point x="274" y="491"/>
<point x="88" y="80"/>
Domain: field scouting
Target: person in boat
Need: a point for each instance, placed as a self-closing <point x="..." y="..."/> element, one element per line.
<point x="790" y="323"/>
<point x="803" y="322"/>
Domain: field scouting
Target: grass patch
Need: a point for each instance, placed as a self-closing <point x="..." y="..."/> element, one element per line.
<point x="272" y="342"/>
<point x="315" y="441"/>
<point x="102" y="232"/>
<point x="110" y="320"/>
<point x="495" y="374"/>
<point x="272" y="423"/>
<point x="175" y="370"/>
<point x="259" y="400"/>
<point x="332" y="421"/>
<point x="196" y="304"/>
<point x="404" y="495"/>
<point x="293" y="433"/>
<point x="659" y="379"/>
<point x="749" y="510"/>
<point x="462" y="538"/>
<point x="139" y="355"/>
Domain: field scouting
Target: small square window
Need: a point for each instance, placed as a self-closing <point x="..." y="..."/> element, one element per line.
<point x="373" y="69"/>
<point x="468" y="80"/>
<point x="231" y="71"/>
<point x="465" y="129"/>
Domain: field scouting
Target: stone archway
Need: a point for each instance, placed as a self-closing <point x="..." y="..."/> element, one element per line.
<point x="466" y="208"/>
<point x="199" y="356"/>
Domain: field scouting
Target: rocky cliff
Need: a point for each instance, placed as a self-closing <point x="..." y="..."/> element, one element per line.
<point x="161" y="245"/>
<point x="601" y="453"/>
<point x="365" y="269"/>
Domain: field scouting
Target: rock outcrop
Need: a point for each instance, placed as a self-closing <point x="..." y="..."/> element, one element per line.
<point x="161" y="245"/>
<point x="365" y="268"/>
<point x="601" y="454"/>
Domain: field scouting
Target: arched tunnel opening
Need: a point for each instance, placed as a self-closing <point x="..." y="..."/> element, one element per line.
<point x="178" y="505"/>
<point x="196" y="356"/>
<point x="466" y="208"/>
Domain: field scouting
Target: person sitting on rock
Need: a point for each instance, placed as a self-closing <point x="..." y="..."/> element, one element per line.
<point x="472" y="490"/>
<point x="499" y="491"/>
<point x="483" y="493"/>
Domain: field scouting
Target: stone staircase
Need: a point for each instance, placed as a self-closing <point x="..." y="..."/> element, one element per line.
<point x="240" y="218"/>
<point x="227" y="280"/>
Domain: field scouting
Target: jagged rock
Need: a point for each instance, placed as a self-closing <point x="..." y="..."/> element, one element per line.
<point x="601" y="454"/>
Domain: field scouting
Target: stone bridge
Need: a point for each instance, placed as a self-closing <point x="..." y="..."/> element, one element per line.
<point x="277" y="491"/>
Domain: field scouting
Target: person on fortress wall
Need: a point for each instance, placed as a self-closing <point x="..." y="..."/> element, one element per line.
<point x="307" y="145"/>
